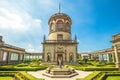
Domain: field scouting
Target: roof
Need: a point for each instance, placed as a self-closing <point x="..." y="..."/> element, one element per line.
<point x="13" y="47"/>
<point x="59" y="15"/>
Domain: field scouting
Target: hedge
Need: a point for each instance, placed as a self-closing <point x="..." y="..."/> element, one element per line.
<point x="99" y="69"/>
<point x="91" y="76"/>
<point x="19" y="75"/>
<point x="97" y="75"/>
<point x="23" y="68"/>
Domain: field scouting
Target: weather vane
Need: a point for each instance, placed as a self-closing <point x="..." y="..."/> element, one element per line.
<point x="59" y="8"/>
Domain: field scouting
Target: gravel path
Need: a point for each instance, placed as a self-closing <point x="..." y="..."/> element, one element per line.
<point x="38" y="74"/>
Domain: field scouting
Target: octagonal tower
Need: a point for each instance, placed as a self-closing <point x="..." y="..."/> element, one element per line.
<point x="60" y="45"/>
<point x="59" y="27"/>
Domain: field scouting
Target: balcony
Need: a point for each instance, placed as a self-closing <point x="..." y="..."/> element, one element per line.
<point x="60" y="41"/>
<point x="116" y="38"/>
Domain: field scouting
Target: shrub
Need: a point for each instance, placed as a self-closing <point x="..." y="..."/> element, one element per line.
<point x="23" y="68"/>
<point x="99" y="69"/>
<point x="110" y="63"/>
<point x="22" y="65"/>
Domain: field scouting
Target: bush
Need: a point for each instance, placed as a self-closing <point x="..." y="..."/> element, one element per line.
<point x="22" y="65"/>
<point x="91" y="76"/>
<point x="99" y="69"/>
<point x="18" y="75"/>
<point x="110" y="63"/>
<point x="23" y="68"/>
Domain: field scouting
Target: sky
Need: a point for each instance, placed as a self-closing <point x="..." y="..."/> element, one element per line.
<point x="24" y="22"/>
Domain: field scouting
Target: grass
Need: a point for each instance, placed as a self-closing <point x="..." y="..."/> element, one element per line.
<point x="6" y="78"/>
<point x="113" y="78"/>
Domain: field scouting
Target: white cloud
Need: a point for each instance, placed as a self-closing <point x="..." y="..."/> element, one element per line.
<point x="31" y="48"/>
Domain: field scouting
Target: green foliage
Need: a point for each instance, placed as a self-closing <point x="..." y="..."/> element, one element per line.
<point x="113" y="78"/>
<point x="22" y="65"/>
<point x="23" y="68"/>
<point x="114" y="75"/>
<point x="97" y="64"/>
<point x="99" y="69"/>
<point x="80" y="61"/>
<point x="110" y="63"/>
<point x="6" y="78"/>
<point x="90" y="77"/>
<point x="35" y="62"/>
<point x="17" y="75"/>
<point x="91" y="59"/>
<point x="25" y="76"/>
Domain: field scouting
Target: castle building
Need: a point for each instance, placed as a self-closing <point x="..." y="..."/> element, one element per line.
<point x="60" y="44"/>
<point x="10" y="54"/>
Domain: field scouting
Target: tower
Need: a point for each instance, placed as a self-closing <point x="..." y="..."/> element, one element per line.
<point x="60" y="44"/>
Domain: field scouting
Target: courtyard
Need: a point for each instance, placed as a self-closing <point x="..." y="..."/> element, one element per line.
<point x="47" y="40"/>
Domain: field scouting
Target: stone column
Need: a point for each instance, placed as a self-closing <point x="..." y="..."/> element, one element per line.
<point x="117" y="57"/>
<point x="108" y="58"/>
<point x="113" y="57"/>
<point x="19" y="57"/>
<point x="8" y="58"/>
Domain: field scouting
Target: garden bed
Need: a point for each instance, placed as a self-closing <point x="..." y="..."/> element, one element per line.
<point x="103" y="76"/>
<point x="9" y="75"/>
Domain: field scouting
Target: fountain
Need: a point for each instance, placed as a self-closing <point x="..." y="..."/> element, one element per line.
<point x="60" y="71"/>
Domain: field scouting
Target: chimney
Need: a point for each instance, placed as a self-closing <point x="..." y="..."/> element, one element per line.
<point x="1" y="38"/>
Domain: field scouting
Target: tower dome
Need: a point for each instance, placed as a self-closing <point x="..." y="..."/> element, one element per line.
<point x="60" y="27"/>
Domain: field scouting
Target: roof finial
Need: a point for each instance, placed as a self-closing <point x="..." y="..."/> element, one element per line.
<point x="59" y="8"/>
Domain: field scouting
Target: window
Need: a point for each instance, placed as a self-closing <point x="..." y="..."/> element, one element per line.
<point x="59" y="25"/>
<point x="14" y="56"/>
<point x="67" y="27"/>
<point x="4" y="56"/>
<point x="59" y="37"/>
<point x="52" y="27"/>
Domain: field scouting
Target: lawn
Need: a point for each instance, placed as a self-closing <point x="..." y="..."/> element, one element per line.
<point x="113" y="78"/>
<point x="6" y="78"/>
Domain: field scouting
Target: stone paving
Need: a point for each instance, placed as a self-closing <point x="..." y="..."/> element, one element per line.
<point x="38" y="74"/>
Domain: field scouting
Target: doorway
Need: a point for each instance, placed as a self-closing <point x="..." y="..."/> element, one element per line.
<point x="59" y="57"/>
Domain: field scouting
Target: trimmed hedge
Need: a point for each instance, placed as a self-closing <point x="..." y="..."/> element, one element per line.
<point x="91" y="76"/>
<point x="22" y="65"/>
<point x="100" y="69"/>
<point x="19" y="75"/>
<point x="97" y="75"/>
<point x="25" y="76"/>
<point x="23" y="68"/>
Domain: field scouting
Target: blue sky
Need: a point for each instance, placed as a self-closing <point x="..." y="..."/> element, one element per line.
<point x="24" y="22"/>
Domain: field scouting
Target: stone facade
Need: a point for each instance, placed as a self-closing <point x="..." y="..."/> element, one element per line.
<point x="10" y="54"/>
<point x="59" y="44"/>
<point x="116" y="47"/>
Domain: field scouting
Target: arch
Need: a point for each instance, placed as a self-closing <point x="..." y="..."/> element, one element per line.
<point x="71" y="58"/>
<point x="48" y="57"/>
<point x="60" y="20"/>
<point x="67" y="22"/>
<point x="60" y="25"/>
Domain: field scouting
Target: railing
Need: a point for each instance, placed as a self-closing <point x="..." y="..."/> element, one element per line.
<point x="60" y="41"/>
<point x="116" y="37"/>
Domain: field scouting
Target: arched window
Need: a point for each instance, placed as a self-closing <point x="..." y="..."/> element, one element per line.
<point x="52" y="27"/>
<point x="59" y="25"/>
<point x="67" y="27"/>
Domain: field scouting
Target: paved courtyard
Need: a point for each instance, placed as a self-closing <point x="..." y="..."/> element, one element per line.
<point x="38" y="74"/>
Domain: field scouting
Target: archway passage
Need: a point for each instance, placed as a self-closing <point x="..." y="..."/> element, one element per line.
<point x="59" y="57"/>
